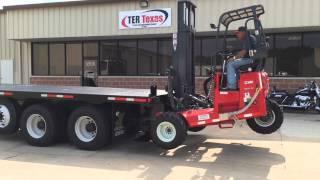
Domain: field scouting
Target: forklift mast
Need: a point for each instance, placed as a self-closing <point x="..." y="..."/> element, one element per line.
<point x="183" y="55"/>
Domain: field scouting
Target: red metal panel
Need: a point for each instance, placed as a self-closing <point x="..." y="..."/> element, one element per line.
<point x="233" y="101"/>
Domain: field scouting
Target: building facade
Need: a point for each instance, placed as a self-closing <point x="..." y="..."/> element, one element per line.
<point x="59" y="43"/>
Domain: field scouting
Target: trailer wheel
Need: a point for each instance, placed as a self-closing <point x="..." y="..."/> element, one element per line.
<point x="168" y="130"/>
<point x="9" y="115"/>
<point x="89" y="128"/>
<point x="197" y="129"/>
<point x="269" y="124"/>
<point x="39" y="125"/>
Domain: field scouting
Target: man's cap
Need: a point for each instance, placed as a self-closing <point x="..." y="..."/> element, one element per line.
<point x="241" y="29"/>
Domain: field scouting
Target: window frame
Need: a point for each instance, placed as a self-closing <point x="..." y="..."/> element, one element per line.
<point x="157" y="57"/>
<point x="158" y="39"/>
<point x="65" y="58"/>
<point x="91" y="57"/>
<point x="275" y="60"/>
<point x="65" y="45"/>
<point x="135" y="41"/>
<point x="32" y="58"/>
<point x="66" y="61"/>
<point x="116" y="42"/>
<point x="158" y="54"/>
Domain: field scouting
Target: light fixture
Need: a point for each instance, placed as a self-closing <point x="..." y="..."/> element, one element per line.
<point x="144" y="3"/>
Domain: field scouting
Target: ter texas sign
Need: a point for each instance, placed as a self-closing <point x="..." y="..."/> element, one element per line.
<point x="145" y="18"/>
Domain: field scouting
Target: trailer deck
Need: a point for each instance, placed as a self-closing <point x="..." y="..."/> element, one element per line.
<point x="89" y="94"/>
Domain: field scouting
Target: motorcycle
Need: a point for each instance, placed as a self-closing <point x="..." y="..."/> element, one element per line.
<point x="307" y="98"/>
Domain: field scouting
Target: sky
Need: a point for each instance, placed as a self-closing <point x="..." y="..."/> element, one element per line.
<point x="16" y="2"/>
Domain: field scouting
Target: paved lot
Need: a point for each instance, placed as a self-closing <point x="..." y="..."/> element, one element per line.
<point x="292" y="153"/>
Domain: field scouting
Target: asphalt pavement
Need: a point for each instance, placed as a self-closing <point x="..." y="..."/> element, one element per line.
<point x="227" y="154"/>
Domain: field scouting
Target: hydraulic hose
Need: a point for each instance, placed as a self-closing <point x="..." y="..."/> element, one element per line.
<point x="230" y="114"/>
<point x="235" y="113"/>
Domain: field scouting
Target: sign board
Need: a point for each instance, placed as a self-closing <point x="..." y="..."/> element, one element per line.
<point x="175" y="41"/>
<point x="152" y="18"/>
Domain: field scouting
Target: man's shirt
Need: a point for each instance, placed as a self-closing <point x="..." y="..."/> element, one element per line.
<point x="248" y="45"/>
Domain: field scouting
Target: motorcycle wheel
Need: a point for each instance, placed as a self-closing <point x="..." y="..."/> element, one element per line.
<point x="317" y="106"/>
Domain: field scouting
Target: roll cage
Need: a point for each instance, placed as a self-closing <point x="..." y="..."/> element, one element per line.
<point x="251" y="13"/>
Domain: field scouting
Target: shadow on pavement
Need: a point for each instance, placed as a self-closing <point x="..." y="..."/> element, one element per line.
<point x="227" y="161"/>
<point x="236" y="161"/>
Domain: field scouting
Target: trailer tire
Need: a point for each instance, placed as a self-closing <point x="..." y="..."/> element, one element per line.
<point x="89" y="128"/>
<point x="168" y="130"/>
<point x="271" y="123"/>
<point x="197" y="129"/>
<point x="9" y="115"/>
<point x="39" y="125"/>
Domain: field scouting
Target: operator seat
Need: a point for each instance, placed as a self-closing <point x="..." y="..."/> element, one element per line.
<point x="257" y="65"/>
<point x="258" y="58"/>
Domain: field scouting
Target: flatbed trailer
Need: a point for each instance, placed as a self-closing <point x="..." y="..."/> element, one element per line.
<point x="94" y="95"/>
<point x="89" y="116"/>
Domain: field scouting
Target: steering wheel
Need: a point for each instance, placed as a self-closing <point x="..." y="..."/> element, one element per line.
<point x="226" y="54"/>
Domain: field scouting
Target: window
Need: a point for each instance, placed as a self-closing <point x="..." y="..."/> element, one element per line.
<point x="90" y="59"/>
<point x="110" y="64"/>
<point x="57" y="59"/>
<point x="291" y="54"/>
<point x="270" y="60"/>
<point x="147" y="61"/>
<point x="128" y="55"/>
<point x="90" y="50"/>
<point x="288" y="54"/>
<point x="311" y="54"/>
<point x="40" y="65"/>
<point x="197" y="57"/>
<point x="209" y="51"/>
<point x="165" y="56"/>
<point x="233" y="44"/>
<point x="74" y="59"/>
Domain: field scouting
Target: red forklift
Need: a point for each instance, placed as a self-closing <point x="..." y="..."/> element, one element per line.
<point x="90" y="117"/>
<point x="193" y="112"/>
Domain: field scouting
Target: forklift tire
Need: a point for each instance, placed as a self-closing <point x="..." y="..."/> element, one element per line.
<point x="197" y="129"/>
<point x="39" y="125"/>
<point x="89" y="128"/>
<point x="269" y="124"/>
<point x="168" y="130"/>
<point x="9" y="115"/>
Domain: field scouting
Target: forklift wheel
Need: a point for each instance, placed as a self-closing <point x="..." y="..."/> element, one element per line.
<point x="169" y="130"/>
<point x="269" y="124"/>
<point x="197" y="129"/>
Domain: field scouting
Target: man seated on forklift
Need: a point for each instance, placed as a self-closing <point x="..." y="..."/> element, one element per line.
<point x="241" y="58"/>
